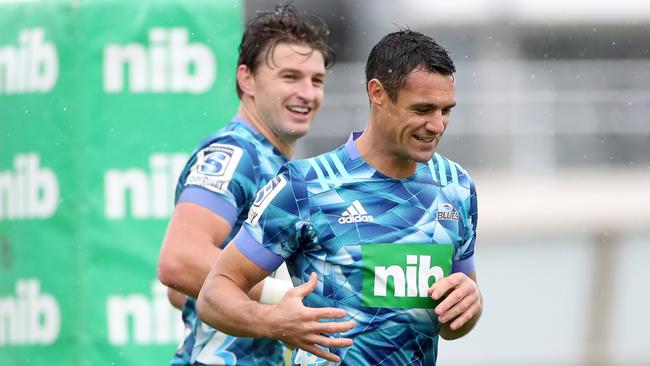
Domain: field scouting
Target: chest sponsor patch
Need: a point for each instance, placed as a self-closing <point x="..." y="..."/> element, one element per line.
<point x="215" y="166"/>
<point x="399" y="275"/>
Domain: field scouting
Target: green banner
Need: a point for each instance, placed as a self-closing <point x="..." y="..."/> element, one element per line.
<point x="399" y="275"/>
<point x="100" y="104"/>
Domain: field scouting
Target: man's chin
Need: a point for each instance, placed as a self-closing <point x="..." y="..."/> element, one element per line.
<point x="295" y="134"/>
<point x="423" y="157"/>
<point x="299" y="130"/>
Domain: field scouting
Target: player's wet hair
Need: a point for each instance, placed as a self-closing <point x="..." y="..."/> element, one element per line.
<point x="402" y="52"/>
<point x="284" y="25"/>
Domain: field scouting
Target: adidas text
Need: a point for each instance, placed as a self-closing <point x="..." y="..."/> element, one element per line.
<point x="354" y="219"/>
<point x="355" y="213"/>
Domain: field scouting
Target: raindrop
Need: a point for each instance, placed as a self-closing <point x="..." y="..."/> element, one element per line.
<point x="65" y="109"/>
<point x="629" y="104"/>
<point x="532" y="76"/>
<point x="26" y="111"/>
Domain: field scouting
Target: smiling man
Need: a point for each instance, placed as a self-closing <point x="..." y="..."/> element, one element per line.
<point x="281" y="70"/>
<point x="378" y="235"/>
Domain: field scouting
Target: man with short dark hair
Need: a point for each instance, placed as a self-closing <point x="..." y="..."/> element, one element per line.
<point x="282" y="63"/>
<point x="378" y="234"/>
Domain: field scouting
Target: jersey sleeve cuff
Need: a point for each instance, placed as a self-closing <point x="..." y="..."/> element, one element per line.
<point x="464" y="265"/>
<point x="211" y="201"/>
<point x="257" y="253"/>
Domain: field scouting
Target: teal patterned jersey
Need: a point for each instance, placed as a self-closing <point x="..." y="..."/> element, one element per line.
<point x="223" y="175"/>
<point x="376" y="243"/>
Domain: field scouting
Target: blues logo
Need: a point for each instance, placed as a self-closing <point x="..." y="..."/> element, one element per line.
<point x="447" y="212"/>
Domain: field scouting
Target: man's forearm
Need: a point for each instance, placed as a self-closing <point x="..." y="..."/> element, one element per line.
<point x="231" y="310"/>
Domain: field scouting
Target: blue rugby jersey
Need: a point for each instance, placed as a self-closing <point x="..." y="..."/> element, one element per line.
<point x="223" y="175"/>
<point x="377" y="244"/>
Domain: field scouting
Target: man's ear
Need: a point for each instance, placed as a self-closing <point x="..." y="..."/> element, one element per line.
<point x="245" y="80"/>
<point x="376" y="92"/>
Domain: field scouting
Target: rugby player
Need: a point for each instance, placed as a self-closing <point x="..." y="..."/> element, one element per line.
<point x="281" y="70"/>
<point x="378" y="235"/>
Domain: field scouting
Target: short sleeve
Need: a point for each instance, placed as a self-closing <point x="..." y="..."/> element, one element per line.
<point x="277" y="221"/>
<point x="222" y="178"/>
<point x="464" y="260"/>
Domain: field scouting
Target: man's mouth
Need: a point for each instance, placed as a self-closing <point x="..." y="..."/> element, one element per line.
<point x="298" y="109"/>
<point x="424" y="138"/>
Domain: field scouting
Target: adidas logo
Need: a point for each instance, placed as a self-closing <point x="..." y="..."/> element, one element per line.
<point x="355" y="213"/>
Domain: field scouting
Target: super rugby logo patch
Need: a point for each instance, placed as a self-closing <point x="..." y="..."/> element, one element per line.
<point x="215" y="166"/>
<point x="264" y="198"/>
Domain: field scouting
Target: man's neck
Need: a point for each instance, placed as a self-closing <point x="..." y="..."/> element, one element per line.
<point x="247" y="111"/>
<point x="375" y="150"/>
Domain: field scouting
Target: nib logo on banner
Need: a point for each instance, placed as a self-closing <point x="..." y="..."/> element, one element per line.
<point x="29" y="191"/>
<point x="140" y="193"/>
<point x="30" y="317"/>
<point x="30" y="67"/>
<point x="170" y="64"/>
<point x="355" y="213"/>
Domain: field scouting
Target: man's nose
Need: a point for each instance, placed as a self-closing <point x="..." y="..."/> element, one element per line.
<point x="436" y="123"/>
<point x="307" y="90"/>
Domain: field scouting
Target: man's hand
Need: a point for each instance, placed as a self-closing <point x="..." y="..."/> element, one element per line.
<point x="298" y="326"/>
<point x="461" y="305"/>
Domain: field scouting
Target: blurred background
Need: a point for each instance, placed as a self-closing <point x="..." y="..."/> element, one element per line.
<point x="552" y="123"/>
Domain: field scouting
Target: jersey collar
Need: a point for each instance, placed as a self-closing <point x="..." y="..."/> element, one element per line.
<point x="245" y="123"/>
<point x="351" y="147"/>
